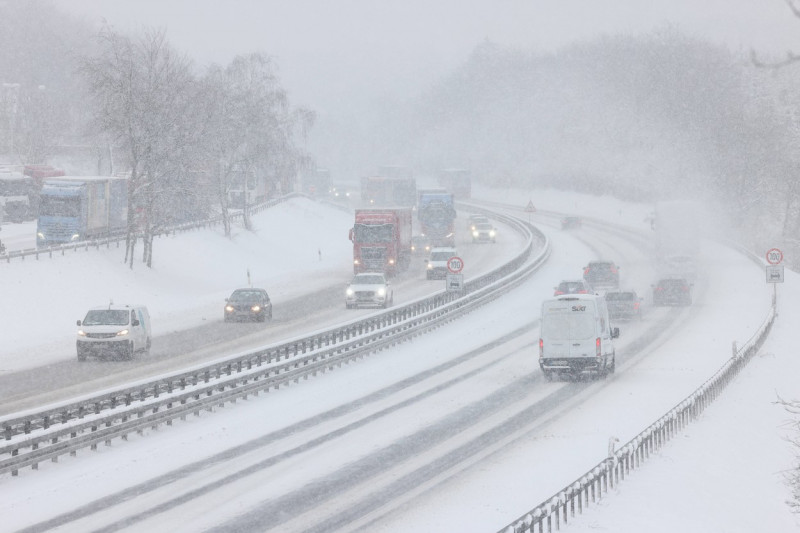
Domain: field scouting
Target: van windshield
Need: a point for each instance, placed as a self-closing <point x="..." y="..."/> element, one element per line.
<point x="567" y="326"/>
<point x="106" y="317"/>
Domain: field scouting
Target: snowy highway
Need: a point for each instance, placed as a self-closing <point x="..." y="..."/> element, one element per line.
<point x="448" y="429"/>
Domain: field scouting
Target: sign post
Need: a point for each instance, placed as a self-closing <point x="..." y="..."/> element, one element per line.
<point x="455" y="279"/>
<point x="530" y="209"/>
<point x="774" y="271"/>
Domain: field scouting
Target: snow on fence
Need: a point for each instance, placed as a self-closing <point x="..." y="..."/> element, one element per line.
<point x="589" y="488"/>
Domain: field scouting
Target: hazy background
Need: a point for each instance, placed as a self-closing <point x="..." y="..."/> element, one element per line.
<point x="645" y="101"/>
<point x="335" y="53"/>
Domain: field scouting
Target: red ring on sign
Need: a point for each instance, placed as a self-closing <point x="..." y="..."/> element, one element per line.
<point x="451" y="268"/>
<point x="772" y="261"/>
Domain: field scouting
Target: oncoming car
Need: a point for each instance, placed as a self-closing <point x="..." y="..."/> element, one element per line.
<point x="436" y="264"/>
<point x="248" y="304"/>
<point x="484" y="232"/>
<point x="368" y="289"/>
<point x="116" y="330"/>
<point x="571" y="222"/>
<point x="420" y="245"/>
<point x="474" y="220"/>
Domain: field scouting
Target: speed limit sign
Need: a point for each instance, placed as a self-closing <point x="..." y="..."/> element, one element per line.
<point x="774" y="256"/>
<point x="455" y="264"/>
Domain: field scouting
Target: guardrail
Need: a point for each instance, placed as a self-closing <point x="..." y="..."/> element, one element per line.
<point x="116" y="239"/>
<point x="590" y="487"/>
<point x="67" y="427"/>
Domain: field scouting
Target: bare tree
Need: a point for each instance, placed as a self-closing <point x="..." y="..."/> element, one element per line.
<point x="141" y="91"/>
<point x="250" y="129"/>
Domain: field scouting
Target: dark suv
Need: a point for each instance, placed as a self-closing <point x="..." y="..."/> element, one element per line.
<point x="624" y="304"/>
<point x="577" y="286"/>
<point x="248" y="304"/>
<point x="672" y="291"/>
<point x="601" y="275"/>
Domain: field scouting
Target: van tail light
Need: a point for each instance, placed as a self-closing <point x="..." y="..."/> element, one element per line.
<point x="586" y="272"/>
<point x="541" y="348"/>
<point x="597" y="346"/>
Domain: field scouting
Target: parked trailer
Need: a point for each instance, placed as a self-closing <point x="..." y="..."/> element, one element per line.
<point x="79" y="208"/>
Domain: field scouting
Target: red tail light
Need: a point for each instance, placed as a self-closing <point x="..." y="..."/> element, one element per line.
<point x="585" y="271"/>
<point x="597" y="347"/>
<point x="558" y="293"/>
<point x="614" y="270"/>
<point x="541" y="348"/>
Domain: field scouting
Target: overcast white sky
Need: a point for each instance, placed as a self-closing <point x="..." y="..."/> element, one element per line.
<point x="328" y="50"/>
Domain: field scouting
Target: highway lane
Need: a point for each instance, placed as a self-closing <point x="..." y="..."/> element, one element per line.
<point x="306" y="312"/>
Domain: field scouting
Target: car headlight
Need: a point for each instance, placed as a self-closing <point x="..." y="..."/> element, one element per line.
<point x="75" y="237"/>
<point x="381" y="292"/>
<point x="356" y="262"/>
<point x="122" y="333"/>
<point x="391" y="261"/>
<point x="430" y="266"/>
<point x="81" y="333"/>
<point x="349" y="291"/>
<point x="229" y="308"/>
<point x="475" y="233"/>
<point x="40" y="235"/>
<point x="255" y="308"/>
<point x="492" y="233"/>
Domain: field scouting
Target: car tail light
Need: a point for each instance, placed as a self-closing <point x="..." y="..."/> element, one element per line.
<point x="613" y="270"/>
<point x="586" y="272"/>
<point x="635" y="306"/>
<point x="583" y="292"/>
<point x="597" y="347"/>
<point x="541" y="348"/>
<point x="558" y="293"/>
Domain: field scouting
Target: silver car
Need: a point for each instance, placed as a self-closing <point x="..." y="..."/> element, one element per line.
<point x="368" y="289"/>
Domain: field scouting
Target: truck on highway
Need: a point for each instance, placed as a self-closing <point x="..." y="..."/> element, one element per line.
<point x="456" y="180"/>
<point x="381" y="240"/>
<point x="79" y="208"/>
<point x="15" y="192"/>
<point x="436" y="214"/>
<point x="391" y="191"/>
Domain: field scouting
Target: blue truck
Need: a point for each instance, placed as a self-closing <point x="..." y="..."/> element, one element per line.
<point x="436" y="214"/>
<point x="80" y="208"/>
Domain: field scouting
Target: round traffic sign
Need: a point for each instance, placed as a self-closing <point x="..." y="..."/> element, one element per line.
<point x="455" y="265"/>
<point x="774" y="256"/>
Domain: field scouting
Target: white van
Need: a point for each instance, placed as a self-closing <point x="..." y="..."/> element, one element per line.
<point x="576" y="337"/>
<point x="119" y="330"/>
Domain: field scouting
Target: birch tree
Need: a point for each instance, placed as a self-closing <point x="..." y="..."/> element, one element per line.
<point x="141" y="89"/>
